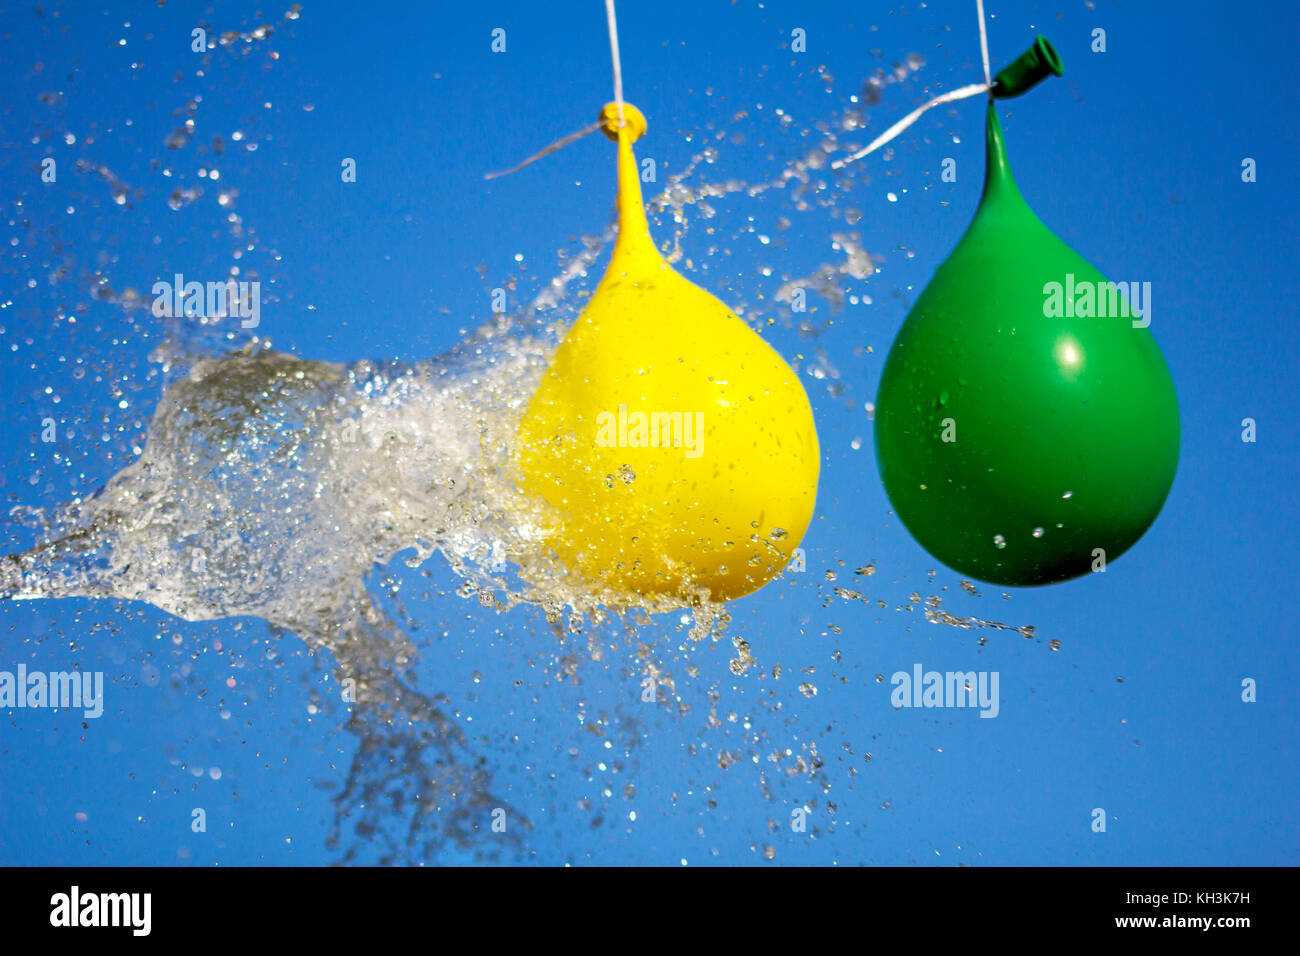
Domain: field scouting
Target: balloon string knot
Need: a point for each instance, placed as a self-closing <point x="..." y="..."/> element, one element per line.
<point x="633" y="118"/>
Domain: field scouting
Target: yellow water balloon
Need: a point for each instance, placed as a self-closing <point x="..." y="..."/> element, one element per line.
<point x="675" y="448"/>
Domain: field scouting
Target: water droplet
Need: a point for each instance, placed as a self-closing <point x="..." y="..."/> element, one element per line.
<point x="999" y="542"/>
<point x="1038" y="532"/>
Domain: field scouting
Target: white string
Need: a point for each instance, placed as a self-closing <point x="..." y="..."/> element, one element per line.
<point x="558" y="144"/>
<point x="984" y="43"/>
<point x="618" y="69"/>
<point x="965" y="92"/>
<point x="975" y="89"/>
<point x="618" y="98"/>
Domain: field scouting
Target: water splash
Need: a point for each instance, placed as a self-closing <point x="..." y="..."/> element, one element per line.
<point x="271" y="485"/>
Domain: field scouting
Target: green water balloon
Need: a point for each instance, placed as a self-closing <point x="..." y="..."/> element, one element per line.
<point x="1023" y="438"/>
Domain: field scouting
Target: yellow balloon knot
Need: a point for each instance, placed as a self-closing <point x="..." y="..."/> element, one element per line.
<point x="634" y="118"/>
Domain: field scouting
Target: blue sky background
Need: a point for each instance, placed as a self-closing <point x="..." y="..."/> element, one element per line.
<point x="1134" y="158"/>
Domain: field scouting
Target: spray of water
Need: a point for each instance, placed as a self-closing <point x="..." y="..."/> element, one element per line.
<point x="271" y="485"/>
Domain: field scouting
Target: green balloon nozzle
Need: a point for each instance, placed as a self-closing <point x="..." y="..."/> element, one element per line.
<point x="1028" y="70"/>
